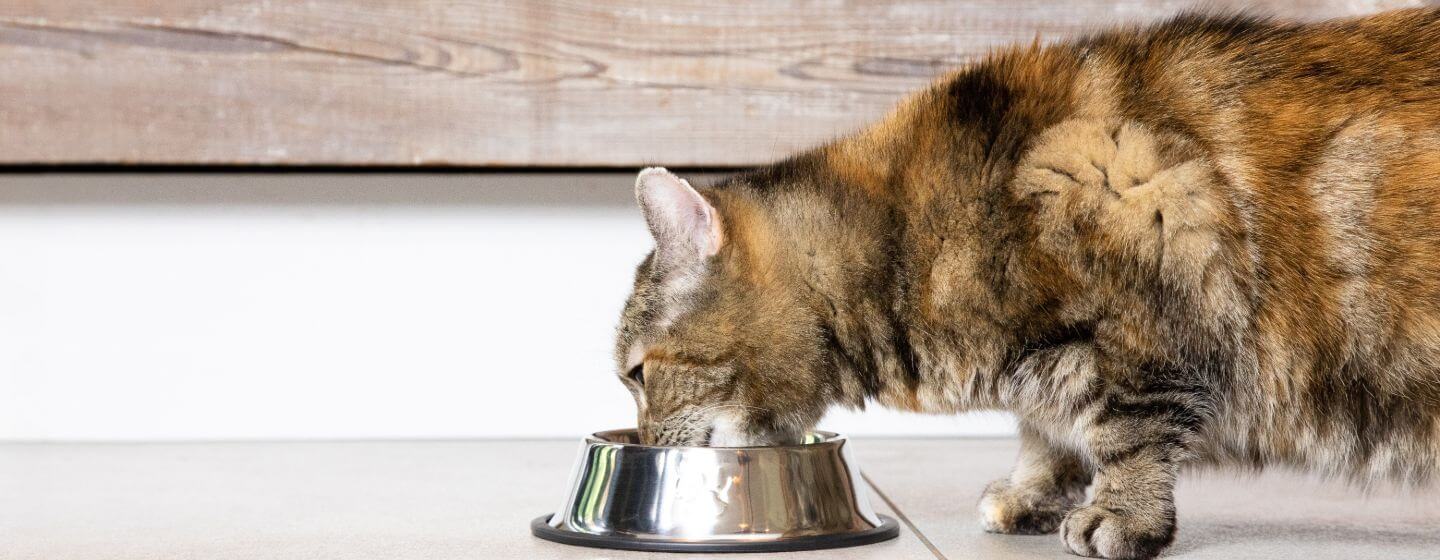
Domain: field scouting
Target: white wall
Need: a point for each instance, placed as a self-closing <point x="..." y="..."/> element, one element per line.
<point x="217" y="306"/>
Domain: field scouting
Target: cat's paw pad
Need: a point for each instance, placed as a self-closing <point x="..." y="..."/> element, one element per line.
<point x="1007" y="509"/>
<point x="1102" y="532"/>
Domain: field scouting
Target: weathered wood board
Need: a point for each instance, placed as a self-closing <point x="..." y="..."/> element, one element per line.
<point x="494" y="83"/>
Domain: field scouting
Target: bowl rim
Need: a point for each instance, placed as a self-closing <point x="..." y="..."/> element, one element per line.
<point x="829" y="439"/>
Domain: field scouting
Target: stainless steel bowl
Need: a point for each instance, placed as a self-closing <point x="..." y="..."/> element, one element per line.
<point x="715" y="499"/>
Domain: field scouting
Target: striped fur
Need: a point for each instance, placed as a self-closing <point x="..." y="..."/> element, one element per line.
<point x="1214" y="240"/>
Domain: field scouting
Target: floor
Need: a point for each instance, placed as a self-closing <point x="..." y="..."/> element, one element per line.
<point x="474" y="500"/>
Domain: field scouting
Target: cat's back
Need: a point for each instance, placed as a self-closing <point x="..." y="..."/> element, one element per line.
<point x="1237" y="191"/>
<point x="1259" y="200"/>
<point x="1326" y="142"/>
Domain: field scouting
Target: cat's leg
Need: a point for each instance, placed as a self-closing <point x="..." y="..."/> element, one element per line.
<point x="1137" y="440"/>
<point x="1046" y="484"/>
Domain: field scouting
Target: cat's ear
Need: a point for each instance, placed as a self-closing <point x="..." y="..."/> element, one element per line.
<point x="685" y="225"/>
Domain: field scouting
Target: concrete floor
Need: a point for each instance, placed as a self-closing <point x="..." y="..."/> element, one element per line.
<point x="474" y="500"/>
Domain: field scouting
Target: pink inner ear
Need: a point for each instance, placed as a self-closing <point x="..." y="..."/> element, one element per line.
<point x="683" y="222"/>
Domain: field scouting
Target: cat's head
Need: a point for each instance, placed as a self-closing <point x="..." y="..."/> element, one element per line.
<point x="713" y="343"/>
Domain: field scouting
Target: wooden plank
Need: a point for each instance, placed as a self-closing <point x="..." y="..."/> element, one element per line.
<point x="493" y="83"/>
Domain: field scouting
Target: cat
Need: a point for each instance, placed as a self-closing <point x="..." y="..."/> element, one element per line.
<point x="1213" y="240"/>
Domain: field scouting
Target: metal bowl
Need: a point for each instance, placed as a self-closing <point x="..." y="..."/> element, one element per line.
<point x="715" y="499"/>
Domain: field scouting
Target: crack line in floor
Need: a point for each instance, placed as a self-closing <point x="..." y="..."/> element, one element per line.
<point x="903" y="518"/>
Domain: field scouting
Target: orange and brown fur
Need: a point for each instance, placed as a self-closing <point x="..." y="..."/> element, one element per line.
<point x="1215" y="240"/>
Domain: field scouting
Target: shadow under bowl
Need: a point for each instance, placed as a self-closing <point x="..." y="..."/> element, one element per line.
<point x="626" y="495"/>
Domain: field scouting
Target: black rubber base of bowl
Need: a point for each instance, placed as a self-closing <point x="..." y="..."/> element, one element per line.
<point x="887" y="530"/>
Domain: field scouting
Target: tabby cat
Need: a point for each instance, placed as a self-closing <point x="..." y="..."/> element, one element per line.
<point x="1213" y="240"/>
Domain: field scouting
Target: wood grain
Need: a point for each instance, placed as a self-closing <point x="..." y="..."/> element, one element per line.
<point x="493" y="83"/>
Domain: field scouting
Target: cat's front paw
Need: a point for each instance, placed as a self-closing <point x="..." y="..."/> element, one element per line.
<point x="1010" y="509"/>
<point x="1103" y="532"/>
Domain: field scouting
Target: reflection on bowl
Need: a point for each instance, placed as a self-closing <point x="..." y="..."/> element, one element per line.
<point x="715" y="499"/>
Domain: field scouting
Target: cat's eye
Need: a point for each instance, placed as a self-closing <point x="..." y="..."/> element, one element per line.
<point x="637" y="373"/>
